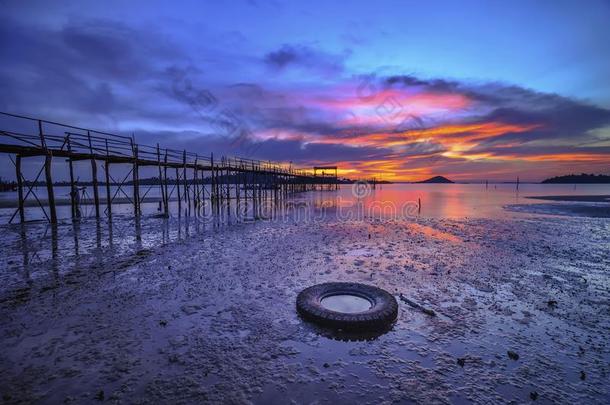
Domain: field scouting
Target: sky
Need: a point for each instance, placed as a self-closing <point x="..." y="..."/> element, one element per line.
<point x="398" y="90"/>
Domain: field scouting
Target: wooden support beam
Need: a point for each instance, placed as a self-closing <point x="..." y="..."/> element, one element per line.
<point x="187" y="197"/>
<point x="73" y="189"/>
<point x="50" y="193"/>
<point x="96" y="195"/>
<point x="212" y="180"/>
<point x="178" y="191"/>
<point x="136" y="179"/>
<point x="195" y="186"/>
<point x="43" y="143"/>
<point x="165" y="185"/>
<point x="20" y="187"/>
<point x="107" y="169"/>
<point x="48" y="177"/>
<point x="161" y="178"/>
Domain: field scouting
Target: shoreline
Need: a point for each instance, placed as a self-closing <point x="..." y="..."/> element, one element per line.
<point x="579" y="198"/>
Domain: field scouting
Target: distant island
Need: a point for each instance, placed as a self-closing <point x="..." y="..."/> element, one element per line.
<point x="436" y="179"/>
<point x="582" y="178"/>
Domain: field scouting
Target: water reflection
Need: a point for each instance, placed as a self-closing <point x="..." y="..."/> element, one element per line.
<point x="456" y="200"/>
<point x="34" y="250"/>
<point x="39" y="251"/>
<point x="345" y="303"/>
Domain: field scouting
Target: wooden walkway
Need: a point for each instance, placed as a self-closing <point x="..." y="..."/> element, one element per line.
<point x="225" y="177"/>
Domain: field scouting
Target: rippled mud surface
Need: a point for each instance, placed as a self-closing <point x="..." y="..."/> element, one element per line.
<point x="522" y="314"/>
<point x="592" y="210"/>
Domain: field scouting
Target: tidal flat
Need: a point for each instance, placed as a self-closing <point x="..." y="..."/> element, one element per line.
<point x="192" y="312"/>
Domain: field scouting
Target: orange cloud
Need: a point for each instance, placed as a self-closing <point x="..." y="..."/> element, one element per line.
<point x="457" y="137"/>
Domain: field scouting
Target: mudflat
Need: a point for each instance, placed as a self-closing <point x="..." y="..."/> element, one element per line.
<point x="209" y="315"/>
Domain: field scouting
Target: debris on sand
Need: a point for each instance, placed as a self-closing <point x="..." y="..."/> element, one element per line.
<point x="461" y="361"/>
<point x="533" y="395"/>
<point x="190" y="309"/>
<point x="512" y="355"/>
<point x="414" y="304"/>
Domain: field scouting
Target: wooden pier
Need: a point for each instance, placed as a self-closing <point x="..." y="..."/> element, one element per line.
<point x="196" y="177"/>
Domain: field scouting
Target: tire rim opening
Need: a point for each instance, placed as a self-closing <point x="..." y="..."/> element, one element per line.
<point x="346" y="303"/>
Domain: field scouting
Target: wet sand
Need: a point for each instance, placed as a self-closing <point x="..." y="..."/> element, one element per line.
<point x="593" y="210"/>
<point x="210" y="317"/>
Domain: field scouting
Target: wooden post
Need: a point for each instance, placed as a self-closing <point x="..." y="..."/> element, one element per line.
<point x="336" y="179"/>
<point x="96" y="196"/>
<point x="108" y="198"/>
<point x="136" y="179"/>
<point x="222" y="187"/>
<point x="20" y="187"/>
<point x="161" y="177"/>
<point x="49" y="181"/>
<point x="228" y="183"/>
<point x="187" y="197"/>
<point x="165" y="185"/>
<point x="237" y="181"/>
<point x="212" y="180"/>
<point x="195" y="185"/>
<point x="48" y="177"/>
<point x="217" y="176"/>
<point x="258" y="180"/>
<point x="178" y="191"/>
<point x="72" y="185"/>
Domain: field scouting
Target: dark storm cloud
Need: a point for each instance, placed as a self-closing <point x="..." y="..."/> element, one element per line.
<point x="78" y="69"/>
<point x="439" y="85"/>
<point x="298" y="152"/>
<point x="442" y="86"/>
<point x="102" y="49"/>
<point x="270" y="149"/>
<point x="555" y="116"/>
<point x="514" y="104"/>
<point x="304" y="57"/>
<point x="558" y="118"/>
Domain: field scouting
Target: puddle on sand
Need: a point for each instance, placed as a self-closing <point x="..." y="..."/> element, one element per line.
<point x="346" y="303"/>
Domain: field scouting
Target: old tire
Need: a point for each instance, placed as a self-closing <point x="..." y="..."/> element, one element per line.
<point x="381" y="315"/>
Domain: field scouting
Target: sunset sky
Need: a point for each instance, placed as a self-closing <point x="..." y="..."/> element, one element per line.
<point x="396" y="89"/>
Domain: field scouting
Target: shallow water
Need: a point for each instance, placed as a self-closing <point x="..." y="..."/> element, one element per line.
<point x="345" y="303"/>
<point x="389" y="200"/>
<point x="460" y="200"/>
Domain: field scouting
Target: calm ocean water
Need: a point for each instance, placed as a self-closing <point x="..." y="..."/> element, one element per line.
<point x="437" y="200"/>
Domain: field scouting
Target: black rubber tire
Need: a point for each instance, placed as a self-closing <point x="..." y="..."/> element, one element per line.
<point x="380" y="316"/>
